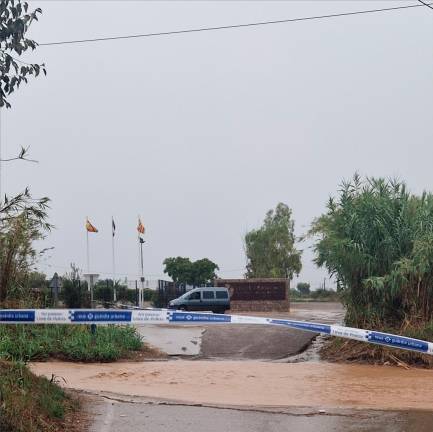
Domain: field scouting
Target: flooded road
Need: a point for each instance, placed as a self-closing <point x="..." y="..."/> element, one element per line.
<point x="242" y="393"/>
<point x="254" y="383"/>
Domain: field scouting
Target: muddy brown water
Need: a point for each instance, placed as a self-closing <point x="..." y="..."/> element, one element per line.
<point x="253" y="383"/>
<point x="386" y="398"/>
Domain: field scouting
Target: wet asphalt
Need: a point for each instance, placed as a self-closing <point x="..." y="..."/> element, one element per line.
<point x="115" y="416"/>
<point x="253" y="342"/>
<point x="242" y="342"/>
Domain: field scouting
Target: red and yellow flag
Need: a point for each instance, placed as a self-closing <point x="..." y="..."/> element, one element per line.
<point x="90" y="227"/>
<point x="140" y="227"/>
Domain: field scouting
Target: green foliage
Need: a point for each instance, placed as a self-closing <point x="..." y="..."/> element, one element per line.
<point x="75" y="294"/>
<point x="103" y="291"/>
<point x="124" y="294"/>
<point x="324" y="295"/>
<point x="76" y="343"/>
<point x="196" y="273"/>
<point x="377" y="240"/>
<point x="22" y="222"/>
<point x="294" y="294"/>
<point x="15" y="19"/>
<point x="149" y="295"/>
<point x="37" y="280"/>
<point x="30" y="403"/>
<point x="319" y="295"/>
<point x="270" y="249"/>
<point x="303" y="288"/>
<point x="22" y="218"/>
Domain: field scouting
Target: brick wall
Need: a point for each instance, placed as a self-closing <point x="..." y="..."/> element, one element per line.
<point x="260" y="306"/>
<point x="257" y="295"/>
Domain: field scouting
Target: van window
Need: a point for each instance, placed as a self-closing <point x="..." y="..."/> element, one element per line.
<point x="194" y="296"/>
<point x="208" y="295"/>
<point x="221" y="295"/>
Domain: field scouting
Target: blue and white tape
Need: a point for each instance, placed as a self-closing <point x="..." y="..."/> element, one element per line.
<point x="164" y="316"/>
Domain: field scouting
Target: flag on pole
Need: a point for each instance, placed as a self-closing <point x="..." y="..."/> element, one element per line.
<point x="90" y="227"/>
<point x="140" y="227"/>
<point x="113" y="227"/>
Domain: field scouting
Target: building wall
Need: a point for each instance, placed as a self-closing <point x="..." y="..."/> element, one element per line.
<point x="257" y="295"/>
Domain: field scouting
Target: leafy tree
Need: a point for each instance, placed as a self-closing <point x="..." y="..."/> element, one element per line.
<point x="203" y="272"/>
<point x="179" y="269"/>
<point x="303" y="288"/>
<point x="270" y="249"/>
<point x="197" y="273"/>
<point x="377" y="240"/>
<point x="23" y="219"/>
<point x="15" y="20"/>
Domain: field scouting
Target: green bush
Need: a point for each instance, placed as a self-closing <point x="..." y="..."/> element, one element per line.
<point x="130" y="295"/>
<point x="30" y="403"/>
<point x="75" y="294"/>
<point x="33" y="342"/>
<point x="376" y="238"/>
<point x="103" y="293"/>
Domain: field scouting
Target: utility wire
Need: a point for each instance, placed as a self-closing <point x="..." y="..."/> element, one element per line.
<point x="233" y="26"/>
<point x="426" y="4"/>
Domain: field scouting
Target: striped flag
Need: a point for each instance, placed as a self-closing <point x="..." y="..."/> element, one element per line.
<point x="90" y="227"/>
<point x="140" y="227"/>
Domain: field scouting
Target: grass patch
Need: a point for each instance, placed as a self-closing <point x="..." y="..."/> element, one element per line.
<point x="29" y="403"/>
<point x="76" y="343"/>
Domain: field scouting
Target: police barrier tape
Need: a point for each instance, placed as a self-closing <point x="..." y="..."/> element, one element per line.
<point x="165" y="316"/>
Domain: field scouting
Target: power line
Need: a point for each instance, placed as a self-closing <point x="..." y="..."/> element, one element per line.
<point x="426" y="4"/>
<point x="233" y="26"/>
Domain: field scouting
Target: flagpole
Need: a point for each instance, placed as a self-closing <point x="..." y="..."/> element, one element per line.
<point x="87" y="242"/>
<point x="114" y="261"/>
<point x="142" y="267"/>
<point x="140" y="251"/>
<point x="142" y="272"/>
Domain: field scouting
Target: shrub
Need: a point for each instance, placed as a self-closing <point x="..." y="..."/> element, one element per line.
<point x="30" y="403"/>
<point x="75" y="294"/>
<point x="377" y="240"/>
<point x="39" y="342"/>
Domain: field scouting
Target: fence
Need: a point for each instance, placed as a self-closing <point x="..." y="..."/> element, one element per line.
<point x="168" y="291"/>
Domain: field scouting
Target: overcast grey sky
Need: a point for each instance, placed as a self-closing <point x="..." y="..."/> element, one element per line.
<point x="202" y="133"/>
